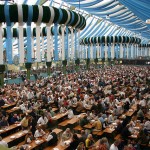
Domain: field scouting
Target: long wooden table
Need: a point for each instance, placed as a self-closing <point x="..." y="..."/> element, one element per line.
<point x="13" y="137"/>
<point x="7" y="106"/>
<point x="9" y="128"/>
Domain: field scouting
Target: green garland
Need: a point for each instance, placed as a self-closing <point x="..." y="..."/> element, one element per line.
<point x="46" y="14"/>
<point x="56" y="14"/>
<point x="25" y="13"/>
<point x="13" y="13"/>
<point x="110" y="39"/>
<point x="35" y="13"/>
<point x="65" y="16"/>
<point x="2" y="15"/>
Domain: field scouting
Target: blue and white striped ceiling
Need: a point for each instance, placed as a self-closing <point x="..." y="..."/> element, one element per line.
<point x="126" y="17"/>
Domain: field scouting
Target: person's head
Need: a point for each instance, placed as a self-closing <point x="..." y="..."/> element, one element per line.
<point x="68" y="130"/>
<point x="80" y="146"/>
<point x="117" y="142"/>
<point x="90" y="136"/>
<point x="75" y="137"/>
<point x="82" y="132"/>
<point x="15" y="115"/>
<point x="105" y="139"/>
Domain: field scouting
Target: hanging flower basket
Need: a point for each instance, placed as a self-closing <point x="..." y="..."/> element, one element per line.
<point x="96" y="60"/>
<point x="64" y="62"/>
<point x="28" y="65"/>
<point x="77" y="61"/>
<point x="2" y="68"/>
<point x="48" y="64"/>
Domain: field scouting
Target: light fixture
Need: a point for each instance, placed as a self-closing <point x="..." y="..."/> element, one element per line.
<point x="107" y="17"/>
<point x="148" y="21"/>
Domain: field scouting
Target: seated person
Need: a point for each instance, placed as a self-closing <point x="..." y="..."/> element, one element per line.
<point x="39" y="132"/>
<point x="14" y="119"/>
<point x="28" y="138"/>
<point x="42" y="121"/>
<point x="84" y="121"/>
<point x="125" y="132"/>
<point x="147" y="126"/>
<point x="25" y="122"/>
<point x="79" y="107"/>
<point x="63" y="109"/>
<point x="4" y="122"/>
<point x="83" y="136"/>
<point x="52" y="138"/>
<point x="74" y="142"/>
<point x="70" y="113"/>
<point x="89" y="141"/>
<point x="3" y="143"/>
<point x="97" y="125"/>
<point x="119" y="127"/>
<point x="2" y="102"/>
<point x="111" y="118"/>
<point x="66" y="135"/>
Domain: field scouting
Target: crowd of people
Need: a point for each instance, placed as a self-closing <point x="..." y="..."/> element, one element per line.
<point x="103" y="95"/>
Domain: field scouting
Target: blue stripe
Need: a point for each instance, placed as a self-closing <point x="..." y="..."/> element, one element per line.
<point x="60" y="16"/>
<point x="9" y="35"/>
<point x="56" y="42"/>
<point x="66" y="45"/>
<point x="51" y="3"/>
<point x="29" y="34"/>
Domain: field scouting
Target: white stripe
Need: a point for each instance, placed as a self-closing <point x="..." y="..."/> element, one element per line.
<point x="38" y="31"/>
<point x="48" y="44"/>
<point x="91" y="50"/>
<point x="40" y="15"/>
<point x="21" y="38"/>
<point x="52" y="16"/>
<point x="38" y="55"/>
<point x="43" y="52"/>
<point x="78" y="43"/>
<point x="72" y="44"/>
<point x="20" y="14"/>
<point x="63" y="46"/>
<point x="1" y="46"/>
<point x="112" y="50"/>
<point x="68" y="19"/>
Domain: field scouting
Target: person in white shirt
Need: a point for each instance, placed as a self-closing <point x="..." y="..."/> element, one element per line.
<point x="111" y="118"/>
<point x="39" y="132"/>
<point x="52" y="138"/>
<point x="147" y="126"/>
<point x="114" y="146"/>
<point x="70" y="114"/>
<point x="42" y="120"/>
<point x="63" y="109"/>
<point x="3" y="143"/>
<point x="142" y="103"/>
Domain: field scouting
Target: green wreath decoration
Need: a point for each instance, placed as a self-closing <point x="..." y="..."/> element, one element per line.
<point x="13" y="14"/>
